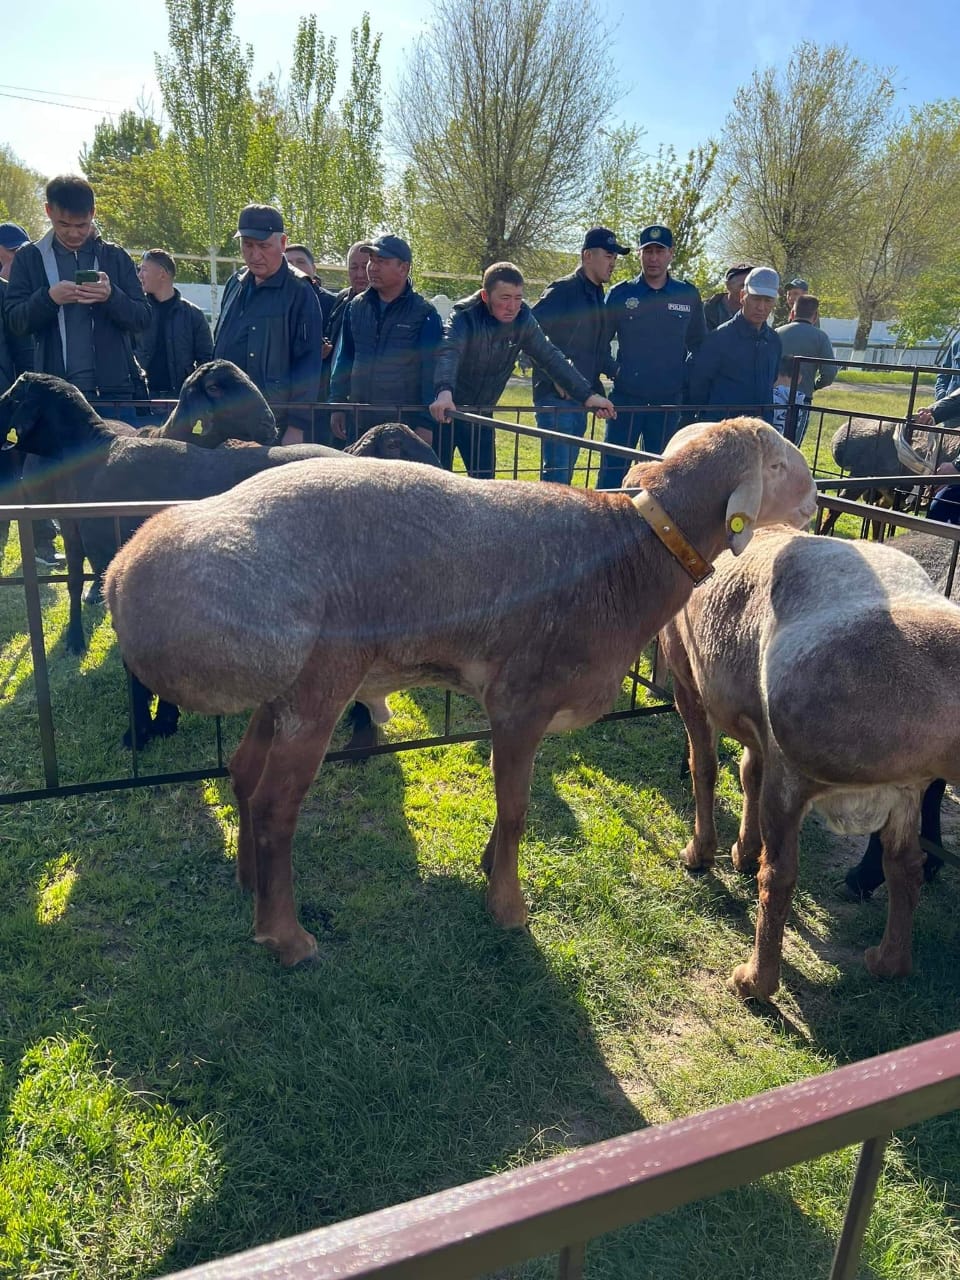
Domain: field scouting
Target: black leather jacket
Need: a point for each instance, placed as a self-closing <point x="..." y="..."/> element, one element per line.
<point x="571" y="314"/>
<point x="189" y="340"/>
<point x="478" y="353"/>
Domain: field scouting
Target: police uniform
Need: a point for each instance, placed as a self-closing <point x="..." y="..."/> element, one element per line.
<point x="655" y="330"/>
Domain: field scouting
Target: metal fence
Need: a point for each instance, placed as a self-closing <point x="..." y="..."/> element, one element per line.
<point x="646" y="696"/>
<point x="563" y="1203"/>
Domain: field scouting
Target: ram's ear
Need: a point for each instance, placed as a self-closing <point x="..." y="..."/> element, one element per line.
<point x="743" y="505"/>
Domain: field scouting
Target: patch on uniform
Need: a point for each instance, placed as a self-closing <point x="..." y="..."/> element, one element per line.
<point x="678" y="306"/>
<point x="632" y="303"/>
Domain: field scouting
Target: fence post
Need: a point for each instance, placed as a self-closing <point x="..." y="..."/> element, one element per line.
<point x="846" y="1260"/>
<point x="41" y="684"/>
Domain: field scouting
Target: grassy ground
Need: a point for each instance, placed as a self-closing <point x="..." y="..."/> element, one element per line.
<point x="167" y="1094"/>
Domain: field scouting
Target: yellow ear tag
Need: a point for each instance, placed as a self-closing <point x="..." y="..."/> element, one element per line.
<point x="737" y="523"/>
<point x="12" y="435"/>
<point x="197" y="428"/>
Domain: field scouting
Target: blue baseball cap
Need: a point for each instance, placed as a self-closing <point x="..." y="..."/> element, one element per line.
<point x="656" y="233"/>
<point x="12" y="236"/>
<point x="391" y="247"/>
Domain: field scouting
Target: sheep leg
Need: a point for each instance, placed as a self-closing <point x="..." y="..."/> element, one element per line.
<point x="782" y="806"/>
<point x="140" y="697"/>
<point x="364" y="733"/>
<point x="514" y="749"/>
<point x="73" y="549"/>
<point x="903" y="868"/>
<point x="701" y="852"/>
<point x="745" y="852"/>
<point x="302" y="732"/>
<point x="246" y="768"/>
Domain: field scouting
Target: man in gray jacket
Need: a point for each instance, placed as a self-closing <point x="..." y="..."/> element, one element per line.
<point x="803" y="337"/>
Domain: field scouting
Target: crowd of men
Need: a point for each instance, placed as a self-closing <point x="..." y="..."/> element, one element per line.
<point x="77" y="306"/>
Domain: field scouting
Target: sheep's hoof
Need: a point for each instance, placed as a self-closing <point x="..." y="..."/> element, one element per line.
<point x="857" y="889"/>
<point x="748" y="864"/>
<point x="747" y="985"/>
<point x="698" y="856"/>
<point x="142" y="737"/>
<point x="887" y="966"/>
<point x="363" y="740"/>
<point x="76" y="644"/>
<point x="509" y="913"/>
<point x="301" y="948"/>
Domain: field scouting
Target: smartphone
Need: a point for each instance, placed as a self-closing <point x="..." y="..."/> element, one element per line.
<point x="87" y="277"/>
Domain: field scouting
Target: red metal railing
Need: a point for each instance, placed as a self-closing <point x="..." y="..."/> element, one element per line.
<point x="564" y="1202"/>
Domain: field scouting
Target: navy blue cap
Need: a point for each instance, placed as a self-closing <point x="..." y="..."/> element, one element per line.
<point x="12" y="236"/>
<point x="259" y="222"/>
<point x="602" y="238"/>
<point x="656" y="233"/>
<point x="797" y="283"/>
<point x="391" y="247"/>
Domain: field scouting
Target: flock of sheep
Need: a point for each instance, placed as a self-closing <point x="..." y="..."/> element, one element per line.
<point x="295" y="589"/>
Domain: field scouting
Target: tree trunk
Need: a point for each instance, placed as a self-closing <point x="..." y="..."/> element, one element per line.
<point x="862" y="336"/>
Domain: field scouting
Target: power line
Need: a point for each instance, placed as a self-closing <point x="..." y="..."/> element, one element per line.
<point x="69" y="106"/>
<point x="56" y="94"/>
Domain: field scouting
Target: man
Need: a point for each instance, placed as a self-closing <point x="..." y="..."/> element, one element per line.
<point x="658" y="322"/>
<point x="481" y="341"/>
<point x="724" y="306"/>
<point x="737" y="365"/>
<point x="178" y="337"/>
<point x="948" y="382"/>
<point x="299" y="256"/>
<point x="571" y="314"/>
<point x="795" y="289"/>
<point x="358" y="256"/>
<point x="387" y="347"/>
<point x="270" y="322"/>
<point x="80" y="300"/>
<point x="803" y="337"/>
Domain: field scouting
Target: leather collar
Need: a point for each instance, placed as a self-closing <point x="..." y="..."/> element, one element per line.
<point x="672" y="538"/>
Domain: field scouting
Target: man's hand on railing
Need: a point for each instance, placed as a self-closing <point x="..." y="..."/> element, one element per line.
<point x="601" y="406"/>
<point x="442" y="407"/>
<point x="923" y="416"/>
<point x="338" y="425"/>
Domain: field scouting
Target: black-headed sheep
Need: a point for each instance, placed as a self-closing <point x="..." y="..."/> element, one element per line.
<point x="533" y="599"/>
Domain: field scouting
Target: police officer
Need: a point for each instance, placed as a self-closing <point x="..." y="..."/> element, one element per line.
<point x="657" y="321"/>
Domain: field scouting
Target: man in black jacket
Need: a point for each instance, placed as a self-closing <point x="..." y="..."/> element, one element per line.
<point x="571" y="314"/>
<point x="79" y="298"/>
<point x="178" y="338"/>
<point x="387" y="347"/>
<point x="482" y="339"/>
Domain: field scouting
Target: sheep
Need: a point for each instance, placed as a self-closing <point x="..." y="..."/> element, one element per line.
<point x="791" y="650"/>
<point x="533" y="599"/>
<point x="50" y="418"/>
<point x="866" y="447"/>
<point x="218" y="403"/>
<point x="933" y="554"/>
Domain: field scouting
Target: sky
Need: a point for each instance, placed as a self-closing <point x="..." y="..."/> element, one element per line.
<point x="677" y="83"/>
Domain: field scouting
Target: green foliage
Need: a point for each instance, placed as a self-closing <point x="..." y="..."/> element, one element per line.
<point x="357" y="175"/>
<point x="497" y="122"/>
<point x="799" y="142"/>
<point x="21" y="193"/>
<point x="205" y="83"/>
<point x="133" y="135"/>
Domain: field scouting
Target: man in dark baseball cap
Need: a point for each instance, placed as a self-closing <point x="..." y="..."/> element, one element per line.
<point x="723" y="306"/>
<point x="388" y="346"/>
<point x="658" y="322"/>
<point x="570" y="312"/>
<point x="271" y="325"/>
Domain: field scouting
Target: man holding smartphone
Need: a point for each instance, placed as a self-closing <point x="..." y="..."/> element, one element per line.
<point x="80" y="299"/>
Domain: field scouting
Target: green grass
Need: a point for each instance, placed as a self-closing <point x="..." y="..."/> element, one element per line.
<point x="885" y="377"/>
<point x="168" y="1094"/>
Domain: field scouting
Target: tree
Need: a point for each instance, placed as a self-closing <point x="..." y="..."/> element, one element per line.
<point x="497" y="113"/>
<point x="205" y="84"/>
<point x="905" y="231"/>
<point x="134" y="134"/>
<point x="21" y="192"/>
<point x="357" y="164"/>
<point x="799" y="143"/>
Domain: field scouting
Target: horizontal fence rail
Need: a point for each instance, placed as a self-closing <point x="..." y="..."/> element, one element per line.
<point x="564" y="1202"/>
